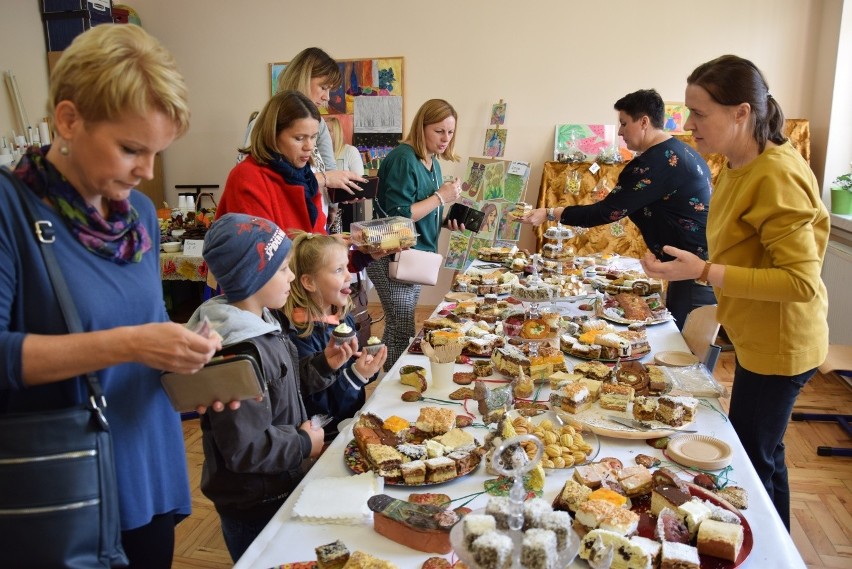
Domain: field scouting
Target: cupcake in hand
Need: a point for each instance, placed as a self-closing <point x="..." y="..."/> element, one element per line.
<point x="374" y="344"/>
<point x="343" y="333"/>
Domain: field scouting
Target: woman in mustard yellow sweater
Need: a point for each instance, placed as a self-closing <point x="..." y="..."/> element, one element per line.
<point x="767" y="233"/>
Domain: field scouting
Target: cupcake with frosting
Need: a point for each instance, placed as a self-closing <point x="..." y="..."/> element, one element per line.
<point x="343" y="333"/>
<point x="374" y="344"/>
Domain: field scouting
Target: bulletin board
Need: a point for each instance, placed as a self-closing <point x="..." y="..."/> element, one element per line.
<point x="369" y="103"/>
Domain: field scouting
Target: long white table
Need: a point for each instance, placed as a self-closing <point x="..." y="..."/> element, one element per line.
<point x="286" y="539"/>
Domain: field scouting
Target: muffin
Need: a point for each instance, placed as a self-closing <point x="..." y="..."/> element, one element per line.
<point x="374" y="344"/>
<point x="343" y="333"/>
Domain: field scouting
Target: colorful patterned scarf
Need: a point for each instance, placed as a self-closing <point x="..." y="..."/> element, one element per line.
<point x="121" y="237"/>
<point x="299" y="177"/>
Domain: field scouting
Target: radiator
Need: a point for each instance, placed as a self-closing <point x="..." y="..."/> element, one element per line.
<point x="837" y="276"/>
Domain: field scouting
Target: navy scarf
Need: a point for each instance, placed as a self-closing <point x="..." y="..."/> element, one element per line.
<point x="299" y="177"/>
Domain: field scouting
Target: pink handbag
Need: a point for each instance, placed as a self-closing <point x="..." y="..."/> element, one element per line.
<point x="414" y="266"/>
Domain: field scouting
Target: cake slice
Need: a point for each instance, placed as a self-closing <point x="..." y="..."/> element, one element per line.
<point x="572" y="495"/>
<point x="456" y="439"/>
<point x="626" y="555"/>
<point x="693" y="514"/>
<point x="361" y="560"/>
<point x="575" y="398"/>
<point x="475" y="525"/>
<point x="621" y="521"/>
<point x="615" y="396"/>
<point x="670" y="411"/>
<point x="413" y="472"/>
<point x="435" y="420"/>
<point x="590" y="514"/>
<point x="332" y="555"/>
<point x="492" y="550"/>
<point x="440" y="469"/>
<point x="678" y="556"/>
<point x="560" y="524"/>
<point x="645" y="408"/>
<point x="669" y="497"/>
<point x="385" y="460"/>
<point x="720" y="539"/>
<point x="670" y="528"/>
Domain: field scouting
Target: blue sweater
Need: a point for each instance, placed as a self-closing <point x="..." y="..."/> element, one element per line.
<point x="345" y="396"/>
<point x="150" y="459"/>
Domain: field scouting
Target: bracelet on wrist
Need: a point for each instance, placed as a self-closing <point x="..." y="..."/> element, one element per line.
<point x="705" y="274"/>
<point x="440" y="199"/>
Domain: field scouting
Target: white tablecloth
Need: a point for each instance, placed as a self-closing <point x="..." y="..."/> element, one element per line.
<point x="286" y="539"/>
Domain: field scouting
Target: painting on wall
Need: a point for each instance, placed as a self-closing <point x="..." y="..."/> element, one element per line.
<point x="675" y="117"/>
<point x="495" y="142"/>
<point x="370" y="99"/>
<point x="589" y="138"/>
<point x="498" y="113"/>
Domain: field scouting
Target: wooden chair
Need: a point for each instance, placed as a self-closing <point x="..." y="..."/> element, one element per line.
<point x="839" y="360"/>
<point x="699" y="333"/>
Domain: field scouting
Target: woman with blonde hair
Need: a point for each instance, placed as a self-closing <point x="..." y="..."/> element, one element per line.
<point x="767" y="233"/>
<point x="116" y="101"/>
<point x="320" y="301"/>
<point x="346" y="156"/>
<point x="411" y="185"/>
<point x="315" y="74"/>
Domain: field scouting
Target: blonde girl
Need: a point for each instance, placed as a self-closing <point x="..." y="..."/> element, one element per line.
<point x="319" y="302"/>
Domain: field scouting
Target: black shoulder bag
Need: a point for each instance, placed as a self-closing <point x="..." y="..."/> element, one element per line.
<point x="58" y="489"/>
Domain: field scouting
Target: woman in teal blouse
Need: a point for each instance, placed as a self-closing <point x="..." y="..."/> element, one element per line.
<point x="411" y="185"/>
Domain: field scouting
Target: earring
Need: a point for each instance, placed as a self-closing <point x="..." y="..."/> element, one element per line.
<point x="63" y="150"/>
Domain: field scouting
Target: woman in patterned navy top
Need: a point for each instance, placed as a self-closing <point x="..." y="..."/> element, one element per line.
<point x="665" y="191"/>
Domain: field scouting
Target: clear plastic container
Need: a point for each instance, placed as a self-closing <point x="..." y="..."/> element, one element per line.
<point x="383" y="235"/>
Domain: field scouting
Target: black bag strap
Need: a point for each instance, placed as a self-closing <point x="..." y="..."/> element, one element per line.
<point x="45" y="236"/>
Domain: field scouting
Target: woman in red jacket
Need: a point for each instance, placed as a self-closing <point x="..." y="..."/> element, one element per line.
<point x="275" y="181"/>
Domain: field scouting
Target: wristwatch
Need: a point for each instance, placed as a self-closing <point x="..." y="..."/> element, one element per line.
<point x="702" y="280"/>
<point x="550" y="215"/>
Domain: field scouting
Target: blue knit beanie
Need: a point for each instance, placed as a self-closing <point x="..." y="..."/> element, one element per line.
<point x="243" y="252"/>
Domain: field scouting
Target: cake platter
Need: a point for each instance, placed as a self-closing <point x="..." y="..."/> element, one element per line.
<point x="596" y="420"/>
<point x="564" y="558"/>
<point x="606" y="306"/>
<point x="358" y="465"/>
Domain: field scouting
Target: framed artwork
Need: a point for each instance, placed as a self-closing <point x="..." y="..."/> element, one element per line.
<point x="675" y="117"/>
<point x="369" y="103"/>
<point x="589" y="138"/>
<point x="495" y="142"/>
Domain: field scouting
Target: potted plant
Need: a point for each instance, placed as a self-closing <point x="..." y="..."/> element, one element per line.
<point x="841" y="194"/>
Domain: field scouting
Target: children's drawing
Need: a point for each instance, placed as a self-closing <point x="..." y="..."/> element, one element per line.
<point x="507" y="230"/>
<point x="495" y="142"/>
<point x="675" y="117"/>
<point x="498" y="114"/>
<point x="489" y="223"/>
<point x="456" y="251"/>
<point x="493" y="181"/>
<point x="473" y="179"/>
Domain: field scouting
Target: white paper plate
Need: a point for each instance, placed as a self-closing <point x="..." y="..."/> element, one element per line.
<point x="675" y="359"/>
<point x="699" y="451"/>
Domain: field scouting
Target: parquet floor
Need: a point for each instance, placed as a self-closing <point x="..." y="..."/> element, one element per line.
<point x="821" y="486"/>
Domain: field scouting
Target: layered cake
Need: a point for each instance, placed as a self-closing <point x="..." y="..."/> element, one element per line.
<point x="575" y="398"/>
<point x="670" y="410"/>
<point x="635" y="480"/>
<point x="594" y="370"/>
<point x="615" y="396"/>
<point x="621" y="521"/>
<point x="456" y="439"/>
<point x="693" y="514"/>
<point x="670" y="528"/>
<point x="590" y="514"/>
<point x="534" y="509"/>
<point x="607" y="495"/>
<point x="465" y="461"/>
<point x="499" y="508"/>
<point x="440" y="469"/>
<point x="415" y="376"/>
<point x="413" y="472"/>
<point x="332" y="556"/>
<point x="645" y="408"/>
<point x="412" y="451"/>
<point x="629" y="554"/>
<point x="669" y="497"/>
<point x="572" y="495"/>
<point x="385" y="460"/>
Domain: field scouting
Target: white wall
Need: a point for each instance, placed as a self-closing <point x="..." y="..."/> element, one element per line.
<point x="552" y="61"/>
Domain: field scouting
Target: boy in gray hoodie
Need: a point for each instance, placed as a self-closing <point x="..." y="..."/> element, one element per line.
<point x="255" y="455"/>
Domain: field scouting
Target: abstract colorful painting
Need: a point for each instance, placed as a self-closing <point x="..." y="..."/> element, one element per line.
<point x="371" y="95"/>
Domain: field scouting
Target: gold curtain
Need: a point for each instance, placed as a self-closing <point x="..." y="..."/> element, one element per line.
<point x="622" y="237"/>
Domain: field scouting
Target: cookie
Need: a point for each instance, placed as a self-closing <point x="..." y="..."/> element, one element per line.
<point x="462" y="393"/>
<point x="464" y="377"/>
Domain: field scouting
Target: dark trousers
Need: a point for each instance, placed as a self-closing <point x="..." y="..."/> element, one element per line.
<point x="682" y="297"/>
<point x="760" y="410"/>
<point x="239" y="533"/>
<point x="151" y="546"/>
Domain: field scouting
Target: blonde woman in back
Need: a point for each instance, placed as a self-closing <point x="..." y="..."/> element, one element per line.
<point x="346" y="156"/>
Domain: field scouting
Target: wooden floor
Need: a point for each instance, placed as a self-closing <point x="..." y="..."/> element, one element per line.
<point x="821" y="486"/>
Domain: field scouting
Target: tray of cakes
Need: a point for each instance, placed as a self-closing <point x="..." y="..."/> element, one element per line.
<point x="642" y="515"/>
<point x="431" y="451"/>
<point x="595" y="339"/>
<point x="483" y="540"/>
<point x="515" y="357"/>
<point x="566" y="443"/>
<point x="484" y="281"/>
<point x="496" y="254"/>
<point x="614" y="281"/>
<point x="629" y="308"/>
<point x="383" y="235"/>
